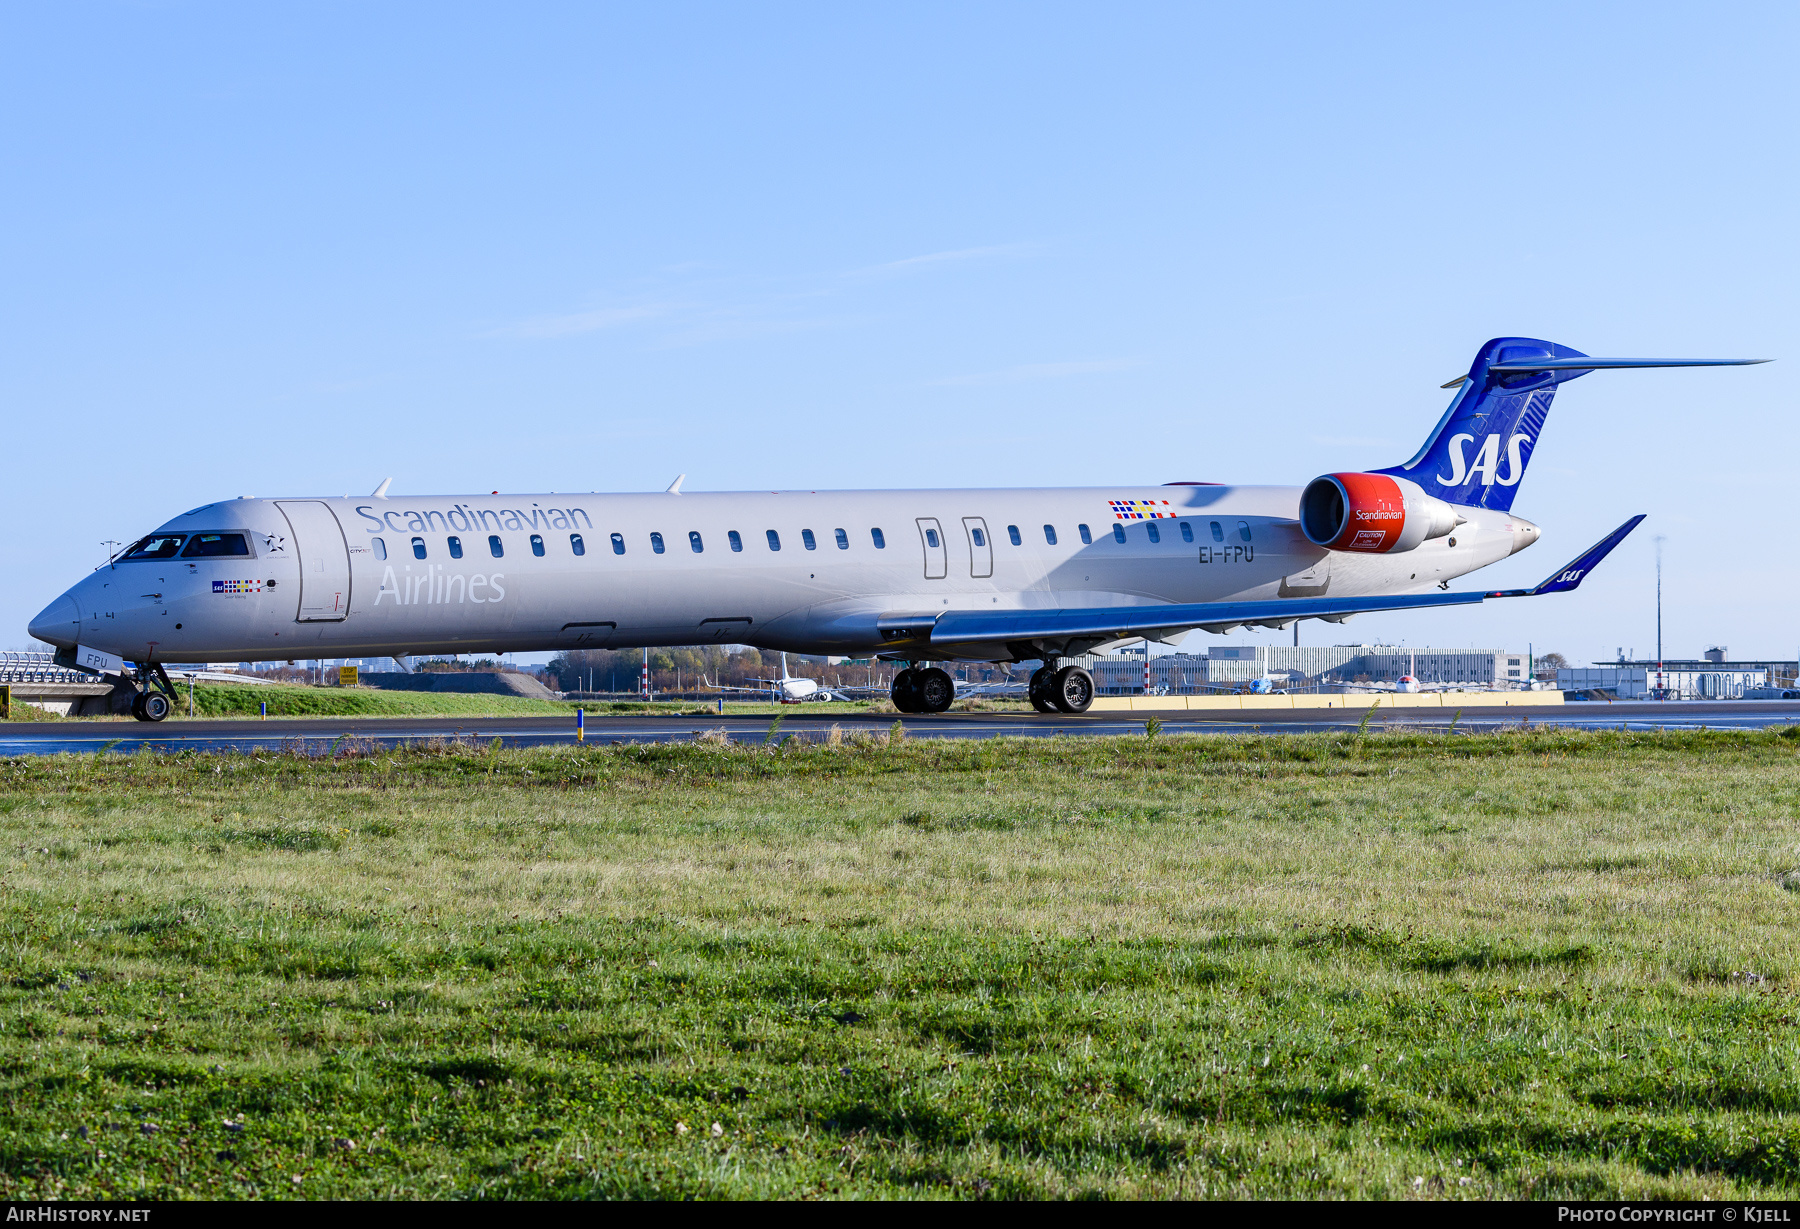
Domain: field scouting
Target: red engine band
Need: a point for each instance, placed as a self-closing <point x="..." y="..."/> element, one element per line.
<point x="1368" y="513"/>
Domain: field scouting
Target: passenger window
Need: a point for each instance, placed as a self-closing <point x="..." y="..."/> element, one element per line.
<point x="931" y="538"/>
<point x="737" y="543"/>
<point x="418" y="548"/>
<point x="1087" y="539"/>
<point x="656" y="543"/>
<point x="455" y="547"/>
<point x="980" y="538"/>
<point x="807" y="539"/>
<point x="494" y="548"/>
<point x="774" y="540"/>
<point x="1217" y="533"/>
<point x="164" y="547"/>
<point x="618" y="541"/>
<point x="1050" y="534"/>
<point x="1155" y="533"/>
<point x="577" y="545"/>
<point x="694" y="542"/>
<point x="1187" y="532"/>
<point x="379" y="547"/>
<point x="1244" y="530"/>
<point x="537" y="545"/>
<point x="843" y="539"/>
<point x="1012" y="534"/>
<point x="875" y="537"/>
<point x="212" y="545"/>
<point x="1118" y="533"/>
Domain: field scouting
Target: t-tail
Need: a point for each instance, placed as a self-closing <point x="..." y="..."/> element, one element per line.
<point x="1479" y="451"/>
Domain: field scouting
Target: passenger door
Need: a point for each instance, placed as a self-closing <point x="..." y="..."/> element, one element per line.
<point x="324" y="558"/>
<point x="981" y="547"/>
<point x="931" y="537"/>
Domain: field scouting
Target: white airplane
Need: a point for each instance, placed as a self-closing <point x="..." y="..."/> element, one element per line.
<point x="988" y="575"/>
<point x="791" y="690"/>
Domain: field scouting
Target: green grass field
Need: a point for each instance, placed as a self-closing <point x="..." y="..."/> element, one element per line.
<point x="1531" y="964"/>
<point x="226" y="700"/>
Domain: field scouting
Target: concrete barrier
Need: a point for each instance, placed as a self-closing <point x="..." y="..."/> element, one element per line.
<point x="1354" y="703"/>
<point x="74" y="699"/>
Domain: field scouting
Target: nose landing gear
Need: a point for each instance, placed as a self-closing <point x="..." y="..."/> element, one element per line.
<point x="150" y="706"/>
<point x="155" y="699"/>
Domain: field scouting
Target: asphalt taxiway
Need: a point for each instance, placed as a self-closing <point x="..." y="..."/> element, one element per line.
<point x="319" y="735"/>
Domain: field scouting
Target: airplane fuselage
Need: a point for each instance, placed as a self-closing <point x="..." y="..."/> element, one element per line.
<point x="810" y="572"/>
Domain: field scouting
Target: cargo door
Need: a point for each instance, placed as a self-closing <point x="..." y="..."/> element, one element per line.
<point x="324" y="558"/>
<point x="981" y="547"/>
<point x="931" y="538"/>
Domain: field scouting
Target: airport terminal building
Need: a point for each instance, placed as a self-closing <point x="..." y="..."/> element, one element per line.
<point x="1707" y="678"/>
<point x="1306" y="666"/>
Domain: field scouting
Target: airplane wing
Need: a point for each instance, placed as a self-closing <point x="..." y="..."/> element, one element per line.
<point x="1104" y="623"/>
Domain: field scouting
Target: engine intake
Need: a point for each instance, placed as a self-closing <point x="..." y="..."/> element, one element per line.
<point x="1375" y="513"/>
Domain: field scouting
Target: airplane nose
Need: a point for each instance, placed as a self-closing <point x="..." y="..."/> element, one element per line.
<point x="58" y="623"/>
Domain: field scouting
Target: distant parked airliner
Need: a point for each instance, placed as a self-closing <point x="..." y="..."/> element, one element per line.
<point x="991" y="575"/>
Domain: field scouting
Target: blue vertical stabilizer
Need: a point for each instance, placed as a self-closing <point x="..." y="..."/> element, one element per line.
<point x="1481" y="446"/>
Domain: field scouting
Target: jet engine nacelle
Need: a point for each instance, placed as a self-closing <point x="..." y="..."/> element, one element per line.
<point x="1372" y="512"/>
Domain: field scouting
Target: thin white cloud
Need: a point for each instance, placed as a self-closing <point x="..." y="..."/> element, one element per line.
<point x="1040" y="371"/>
<point x="582" y="322"/>
<point x="940" y="258"/>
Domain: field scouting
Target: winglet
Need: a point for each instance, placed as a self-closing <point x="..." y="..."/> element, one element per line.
<point x="1568" y="577"/>
<point x="675" y="486"/>
<point x="381" y="491"/>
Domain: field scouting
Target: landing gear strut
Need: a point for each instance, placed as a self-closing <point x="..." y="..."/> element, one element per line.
<point x="155" y="699"/>
<point x="1069" y="689"/>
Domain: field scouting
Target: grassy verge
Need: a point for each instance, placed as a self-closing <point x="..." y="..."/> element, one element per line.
<point x="1533" y="964"/>
<point x="226" y="700"/>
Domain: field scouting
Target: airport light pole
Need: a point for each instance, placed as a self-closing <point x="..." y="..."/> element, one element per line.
<point x="1661" y="691"/>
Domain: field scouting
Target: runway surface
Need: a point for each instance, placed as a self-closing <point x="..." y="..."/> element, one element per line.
<point x="813" y="721"/>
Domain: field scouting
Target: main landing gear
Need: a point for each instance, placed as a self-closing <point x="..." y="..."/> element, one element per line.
<point x="1066" y="690"/>
<point x="923" y="691"/>
<point x="155" y="699"/>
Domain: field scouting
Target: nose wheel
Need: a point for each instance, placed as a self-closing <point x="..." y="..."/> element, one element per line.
<point x="150" y="706"/>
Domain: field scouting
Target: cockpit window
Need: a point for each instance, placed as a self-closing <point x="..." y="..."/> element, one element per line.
<point x="157" y="546"/>
<point x="207" y="545"/>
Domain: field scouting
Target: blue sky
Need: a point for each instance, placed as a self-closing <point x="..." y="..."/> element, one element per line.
<point x="295" y="249"/>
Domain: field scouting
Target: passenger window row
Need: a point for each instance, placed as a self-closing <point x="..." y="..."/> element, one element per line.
<point x="166" y="547"/>
<point x="233" y="544"/>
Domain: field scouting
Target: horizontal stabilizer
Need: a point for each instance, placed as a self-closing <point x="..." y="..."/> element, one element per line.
<point x="1585" y="363"/>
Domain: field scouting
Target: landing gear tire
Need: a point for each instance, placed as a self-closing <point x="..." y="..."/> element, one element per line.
<point x="150" y="706"/>
<point x="935" y="690"/>
<point x="906" y="691"/>
<point x="1038" y="690"/>
<point x="1072" y="689"/>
